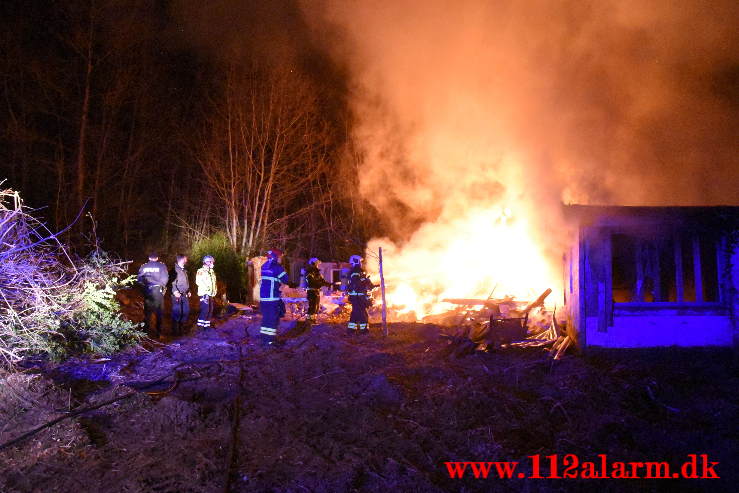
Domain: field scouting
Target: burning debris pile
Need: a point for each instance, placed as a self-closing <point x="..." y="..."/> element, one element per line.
<point x="507" y="323"/>
<point x="481" y="324"/>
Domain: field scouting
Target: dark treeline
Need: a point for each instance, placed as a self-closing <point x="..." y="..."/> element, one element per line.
<point x="107" y="105"/>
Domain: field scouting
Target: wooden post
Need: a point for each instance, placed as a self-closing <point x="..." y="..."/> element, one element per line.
<point x="698" y="280"/>
<point x="721" y="257"/>
<point x="640" y="258"/>
<point x="679" y="290"/>
<point x="654" y="254"/>
<point x="382" y="290"/>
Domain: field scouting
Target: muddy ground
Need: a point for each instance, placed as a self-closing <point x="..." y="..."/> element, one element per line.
<point x="330" y="412"/>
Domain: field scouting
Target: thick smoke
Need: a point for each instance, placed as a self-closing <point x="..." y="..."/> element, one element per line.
<point x="624" y="102"/>
<point x="462" y="105"/>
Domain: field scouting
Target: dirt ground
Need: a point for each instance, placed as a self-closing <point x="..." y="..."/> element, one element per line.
<point x="329" y="412"/>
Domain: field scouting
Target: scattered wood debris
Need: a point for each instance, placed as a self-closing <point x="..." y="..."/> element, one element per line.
<point x="513" y="330"/>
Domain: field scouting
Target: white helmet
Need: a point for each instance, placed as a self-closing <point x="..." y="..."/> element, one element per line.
<point x="313" y="261"/>
<point x="355" y="260"/>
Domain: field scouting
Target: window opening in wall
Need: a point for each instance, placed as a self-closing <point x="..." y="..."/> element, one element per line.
<point x="572" y="256"/>
<point x="667" y="272"/>
<point x="709" y="269"/>
<point x="623" y="267"/>
<point x="683" y="268"/>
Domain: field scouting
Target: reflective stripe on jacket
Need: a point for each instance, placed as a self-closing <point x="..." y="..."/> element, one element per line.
<point x="359" y="283"/>
<point x="205" y="279"/>
<point x="273" y="275"/>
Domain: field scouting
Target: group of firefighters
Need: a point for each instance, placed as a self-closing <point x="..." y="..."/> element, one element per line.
<point x="154" y="278"/>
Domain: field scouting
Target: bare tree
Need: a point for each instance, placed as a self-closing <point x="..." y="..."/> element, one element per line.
<point x="262" y="154"/>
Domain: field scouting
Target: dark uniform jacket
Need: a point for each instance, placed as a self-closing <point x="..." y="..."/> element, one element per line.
<point x="314" y="279"/>
<point x="359" y="284"/>
<point x="180" y="283"/>
<point x="153" y="274"/>
<point x="273" y="275"/>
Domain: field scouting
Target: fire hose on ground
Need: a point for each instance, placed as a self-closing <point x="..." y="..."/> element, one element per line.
<point x="77" y="412"/>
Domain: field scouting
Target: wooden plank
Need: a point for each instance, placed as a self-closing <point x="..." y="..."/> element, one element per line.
<point x="384" y="305"/>
<point x="679" y="286"/>
<point x="539" y="301"/>
<point x="464" y="301"/>
<point x="721" y="259"/>
<point x="589" y="294"/>
<point x="608" y="280"/>
<point x="602" y="307"/>
<point x="698" y="280"/>
<point x="562" y="347"/>
<point x="639" y="292"/>
<point x="602" y="263"/>
<point x="655" y="274"/>
<point x="478" y="302"/>
<point x="578" y="325"/>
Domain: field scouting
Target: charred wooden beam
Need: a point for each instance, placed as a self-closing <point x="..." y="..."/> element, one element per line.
<point x="489" y="303"/>
<point x="539" y="301"/>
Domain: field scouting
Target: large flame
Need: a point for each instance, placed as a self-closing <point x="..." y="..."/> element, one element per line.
<point x="476" y="119"/>
<point x="487" y="251"/>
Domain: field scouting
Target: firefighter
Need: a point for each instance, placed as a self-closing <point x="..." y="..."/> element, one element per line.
<point x="315" y="282"/>
<point x="153" y="278"/>
<point x="205" y="279"/>
<point x="180" y="290"/>
<point x="358" y="288"/>
<point x="270" y="300"/>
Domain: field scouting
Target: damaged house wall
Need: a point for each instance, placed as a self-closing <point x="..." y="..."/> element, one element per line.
<point x="653" y="276"/>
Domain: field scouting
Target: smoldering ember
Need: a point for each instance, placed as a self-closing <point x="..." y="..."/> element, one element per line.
<point x="339" y="246"/>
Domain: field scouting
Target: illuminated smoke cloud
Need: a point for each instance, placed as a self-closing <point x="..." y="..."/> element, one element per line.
<point x="467" y="108"/>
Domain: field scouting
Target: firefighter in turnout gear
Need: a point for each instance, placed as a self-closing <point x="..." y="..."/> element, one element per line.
<point x="180" y="290"/>
<point x="315" y="282"/>
<point x="153" y="278"/>
<point x="270" y="300"/>
<point x="205" y="279"/>
<point x="358" y="289"/>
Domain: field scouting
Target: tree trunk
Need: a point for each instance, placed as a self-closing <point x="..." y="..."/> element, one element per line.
<point x="81" y="166"/>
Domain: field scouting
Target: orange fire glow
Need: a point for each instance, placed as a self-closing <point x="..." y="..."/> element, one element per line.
<point x="487" y="250"/>
<point x="477" y="119"/>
